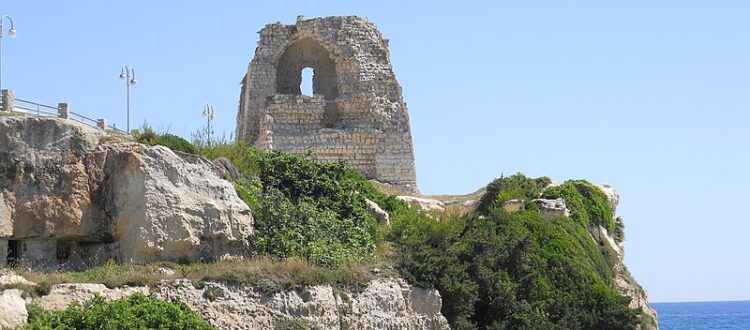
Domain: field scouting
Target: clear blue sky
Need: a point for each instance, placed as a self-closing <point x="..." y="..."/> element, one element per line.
<point x="650" y="96"/>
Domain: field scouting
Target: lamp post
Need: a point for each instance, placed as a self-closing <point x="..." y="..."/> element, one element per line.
<point x="12" y="34"/>
<point x="128" y="75"/>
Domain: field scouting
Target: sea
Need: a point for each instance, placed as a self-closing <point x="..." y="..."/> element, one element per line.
<point x="703" y="315"/>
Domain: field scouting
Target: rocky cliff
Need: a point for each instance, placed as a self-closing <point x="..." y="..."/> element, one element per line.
<point x="624" y="282"/>
<point x="385" y="303"/>
<point x="72" y="197"/>
<point x="68" y="200"/>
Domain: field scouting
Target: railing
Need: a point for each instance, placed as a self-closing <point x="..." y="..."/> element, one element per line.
<point x="31" y="107"/>
<point x="60" y="111"/>
<point x="117" y="130"/>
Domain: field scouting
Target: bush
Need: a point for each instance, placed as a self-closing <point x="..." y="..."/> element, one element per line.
<point x="516" y="186"/>
<point x="312" y="210"/>
<point x="519" y="270"/>
<point x="137" y="311"/>
<point x="587" y="203"/>
<point x="176" y="143"/>
<point x="147" y="135"/>
<point x="304" y="208"/>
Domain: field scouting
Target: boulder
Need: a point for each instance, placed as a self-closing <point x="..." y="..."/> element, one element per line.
<point x="378" y="213"/>
<point x="552" y="207"/>
<point x="13" y="311"/>
<point x="228" y="170"/>
<point x="165" y="207"/>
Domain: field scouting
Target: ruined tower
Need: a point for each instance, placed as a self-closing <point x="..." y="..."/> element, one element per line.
<point x="356" y="113"/>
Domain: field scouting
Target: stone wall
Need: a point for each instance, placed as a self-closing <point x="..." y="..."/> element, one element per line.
<point x="356" y="112"/>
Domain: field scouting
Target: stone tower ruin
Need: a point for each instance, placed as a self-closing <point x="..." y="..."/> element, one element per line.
<point x="356" y="113"/>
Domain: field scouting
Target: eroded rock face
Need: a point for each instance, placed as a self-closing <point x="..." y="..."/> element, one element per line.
<point x="384" y="304"/>
<point x="169" y="208"/>
<point x="49" y="179"/>
<point x="624" y="281"/>
<point x="67" y="199"/>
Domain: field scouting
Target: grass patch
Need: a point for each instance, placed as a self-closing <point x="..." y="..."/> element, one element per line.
<point x="269" y="276"/>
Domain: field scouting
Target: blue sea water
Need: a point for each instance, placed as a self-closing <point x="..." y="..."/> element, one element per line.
<point x="703" y="315"/>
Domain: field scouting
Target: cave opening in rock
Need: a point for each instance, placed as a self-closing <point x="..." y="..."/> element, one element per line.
<point x="14" y="253"/>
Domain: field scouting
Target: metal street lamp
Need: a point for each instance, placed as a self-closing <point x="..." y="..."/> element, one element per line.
<point x="128" y="75"/>
<point x="12" y="34"/>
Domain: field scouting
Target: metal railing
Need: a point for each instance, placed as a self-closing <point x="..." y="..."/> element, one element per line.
<point x="117" y="130"/>
<point x="61" y="111"/>
<point x="35" y="108"/>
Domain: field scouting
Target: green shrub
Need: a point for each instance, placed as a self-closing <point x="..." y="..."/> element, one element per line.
<point x="147" y="135"/>
<point x="587" y="203"/>
<point x="137" y="311"/>
<point x="176" y="143"/>
<point x="516" y="186"/>
<point x="519" y="270"/>
<point x="312" y="210"/>
<point x="304" y="208"/>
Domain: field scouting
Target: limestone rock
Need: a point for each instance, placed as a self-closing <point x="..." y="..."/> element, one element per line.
<point x="66" y="199"/>
<point x="613" y="199"/>
<point x="13" y="311"/>
<point x="378" y="213"/>
<point x="384" y="304"/>
<point x="49" y="179"/>
<point x="424" y="204"/>
<point x="227" y="168"/>
<point x="62" y="295"/>
<point x="624" y="281"/>
<point x="552" y="207"/>
<point x="10" y="278"/>
<point x="167" y="208"/>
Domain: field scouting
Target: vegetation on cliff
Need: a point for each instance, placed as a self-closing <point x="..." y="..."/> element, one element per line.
<point x="303" y="208"/>
<point x="137" y="311"/>
<point x="494" y="269"/>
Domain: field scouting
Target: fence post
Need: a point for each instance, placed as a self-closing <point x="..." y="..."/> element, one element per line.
<point x="9" y="100"/>
<point x="101" y="123"/>
<point x="63" y="111"/>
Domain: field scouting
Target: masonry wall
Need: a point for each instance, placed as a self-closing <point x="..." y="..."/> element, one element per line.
<point x="357" y="112"/>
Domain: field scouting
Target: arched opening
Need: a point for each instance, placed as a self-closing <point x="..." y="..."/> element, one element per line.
<point x="306" y="87"/>
<point x="306" y="54"/>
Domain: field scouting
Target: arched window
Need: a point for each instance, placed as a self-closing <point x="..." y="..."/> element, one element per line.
<point x="303" y="54"/>
<point x="305" y="61"/>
